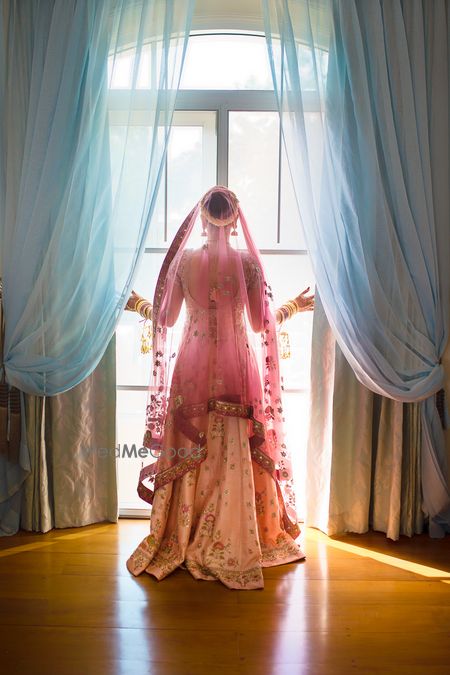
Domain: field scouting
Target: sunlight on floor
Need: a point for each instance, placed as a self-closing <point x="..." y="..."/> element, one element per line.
<point x="54" y="540"/>
<point x="416" y="568"/>
<point x="312" y="534"/>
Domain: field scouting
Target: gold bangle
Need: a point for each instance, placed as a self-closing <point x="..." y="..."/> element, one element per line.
<point x="144" y="308"/>
<point x="289" y="309"/>
<point x="141" y="302"/>
<point x="138" y="305"/>
<point x="284" y="310"/>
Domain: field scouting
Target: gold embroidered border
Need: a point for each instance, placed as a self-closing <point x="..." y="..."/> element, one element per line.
<point x="258" y="427"/>
<point x="291" y="528"/>
<point x="174" y="472"/>
<point x="264" y="460"/>
<point x="228" y="408"/>
<point x="219" y="406"/>
<point x="226" y="574"/>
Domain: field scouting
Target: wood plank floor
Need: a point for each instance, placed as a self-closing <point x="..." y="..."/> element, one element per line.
<point x="357" y="604"/>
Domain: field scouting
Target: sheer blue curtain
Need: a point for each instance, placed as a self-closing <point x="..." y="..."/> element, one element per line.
<point x="378" y="232"/>
<point x="69" y="245"/>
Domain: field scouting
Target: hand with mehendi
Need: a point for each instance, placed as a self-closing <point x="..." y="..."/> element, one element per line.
<point x="305" y="302"/>
<point x="302" y="303"/>
<point x="131" y="304"/>
<point x="136" y="303"/>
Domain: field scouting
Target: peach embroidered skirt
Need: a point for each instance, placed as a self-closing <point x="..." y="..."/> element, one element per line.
<point x="220" y="520"/>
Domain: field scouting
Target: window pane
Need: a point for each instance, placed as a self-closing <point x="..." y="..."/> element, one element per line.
<point x="133" y="368"/>
<point x="122" y="64"/>
<point x="291" y="233"/>
<point x="131" y="174"/>
<point x="191" y="170"/>
<point x="312" y="73"/>
<point x="120" y="68"/>
<point x="144" y="67"/>
<point x="253" y="171"/>
<point x="290" y="223"/>
<point x="185" y="179"/>
<point x="296" y="427"/>
<point x="130" y="432"/>
<point x="289" y="275"/>
<point x="253" y="175"/>
<point x="226" y="62"/>
<point x="214" y="62"/>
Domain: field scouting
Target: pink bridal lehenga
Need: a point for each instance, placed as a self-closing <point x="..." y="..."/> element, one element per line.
<point x="222" y="492"/>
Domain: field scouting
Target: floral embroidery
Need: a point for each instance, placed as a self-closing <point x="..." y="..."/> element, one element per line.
<point x="281" y="551"/>
<point x="218" y="550"/>
<point x="259" y="502"/>
<point x="184" y="515"/>
<point x="252" y="271"/>
<point x="209" y="519"/>
<point x="218" y="427"/>
<point x="232" y="578"/>
<point x="155" y="413"/>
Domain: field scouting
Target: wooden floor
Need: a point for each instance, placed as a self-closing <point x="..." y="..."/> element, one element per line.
<point x="357" y="604"/>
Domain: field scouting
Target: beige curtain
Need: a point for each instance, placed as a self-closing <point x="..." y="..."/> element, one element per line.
<point x="14" y="453"/>
<point x="363" y="457"/>
<point x="71" y="439"/>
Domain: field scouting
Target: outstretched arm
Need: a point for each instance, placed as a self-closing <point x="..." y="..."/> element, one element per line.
<point x="254" y="280"/>
<point x="302" y="303"/>
<point x="136" y="303"/>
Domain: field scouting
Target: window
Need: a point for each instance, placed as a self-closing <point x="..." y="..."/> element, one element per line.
<point x="225" y="130"/>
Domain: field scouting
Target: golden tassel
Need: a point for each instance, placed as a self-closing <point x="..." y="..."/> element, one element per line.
<point x="146" y="337"/>
<point x="284" y="346"/>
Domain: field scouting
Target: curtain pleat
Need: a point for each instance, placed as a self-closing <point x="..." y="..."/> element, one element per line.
<point x="364" y="450"/>
<point x="71" y="439"/>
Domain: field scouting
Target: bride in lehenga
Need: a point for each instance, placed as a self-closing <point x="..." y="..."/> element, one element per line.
<point x="222" y="494"/>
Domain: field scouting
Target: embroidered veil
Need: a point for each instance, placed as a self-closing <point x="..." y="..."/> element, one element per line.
<point x="218" y="369"/>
